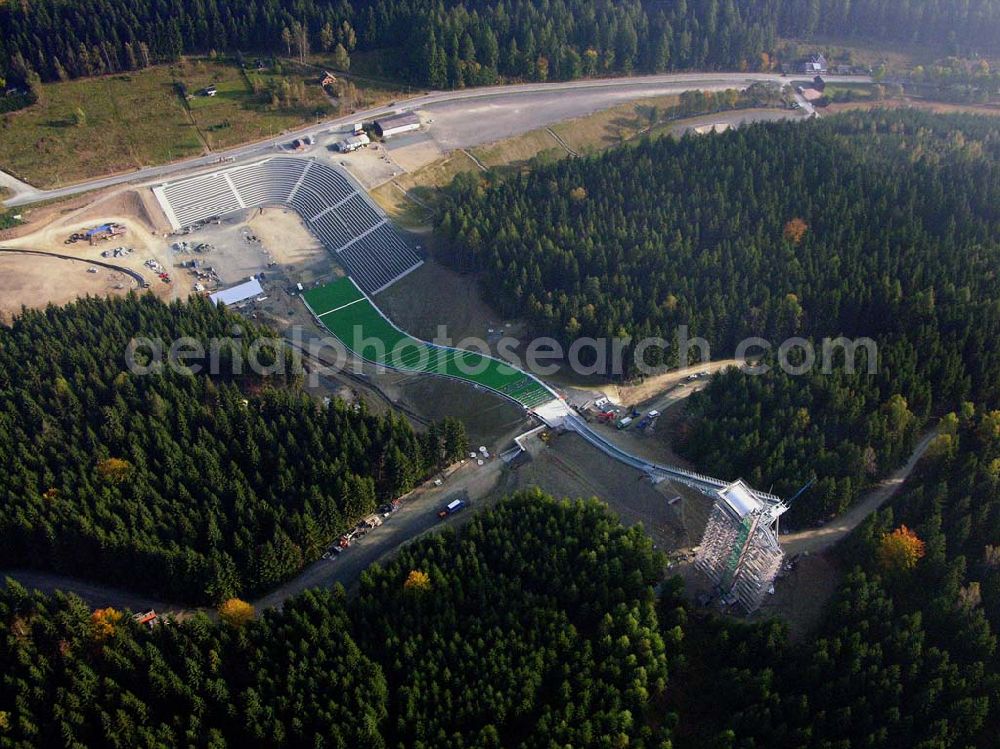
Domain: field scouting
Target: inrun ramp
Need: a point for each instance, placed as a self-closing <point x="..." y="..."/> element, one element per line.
<point x="347" y="312"/>
<point x="334" y="208"/>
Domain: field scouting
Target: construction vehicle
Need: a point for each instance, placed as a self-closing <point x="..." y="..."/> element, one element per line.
<point x="98" y="233"/>
<point x="648" y="420"/>
<point x="451" y="508"/>
<point x="606" y="417"/>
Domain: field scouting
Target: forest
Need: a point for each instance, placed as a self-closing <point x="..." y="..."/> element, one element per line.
<point x="906" y="651"/>
<point x="196" y="488"/>
<point x="537" y="626"/>
<point x="451" y="43"/>
<point x="879" y="225"/>
<point x="460" y="641"/>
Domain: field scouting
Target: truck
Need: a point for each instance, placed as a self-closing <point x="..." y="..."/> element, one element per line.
<point x="451" y="508"/>
<point x="98" y="233"/>
<point x="624" y="422"/>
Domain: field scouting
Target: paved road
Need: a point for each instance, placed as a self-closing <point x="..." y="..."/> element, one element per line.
<point x="818" y="539"/>
<point x="94" y="594"/>
<point x="416" y="516"/>
<point x="480" y="113"/>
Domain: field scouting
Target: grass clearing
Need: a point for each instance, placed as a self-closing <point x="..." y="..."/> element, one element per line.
<point x="611" y="127"/>
<point x="356" y="322"/>
<point x="128" y="121"/>
<point x="89" y="127"/>
<point x="937" y="107"/>
<point x="440" y="173"/>
<point x="400" y="207"/>
<point x="243" y="109"/>
<point x="520" y="149"/>
<point x="422" y="189"/>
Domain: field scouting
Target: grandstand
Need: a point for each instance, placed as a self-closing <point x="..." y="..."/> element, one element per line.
<point x="343" y="309"/>
<point x="337" y="212"/>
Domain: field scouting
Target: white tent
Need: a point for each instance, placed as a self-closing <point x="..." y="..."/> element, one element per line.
<point x="238" y="293"/>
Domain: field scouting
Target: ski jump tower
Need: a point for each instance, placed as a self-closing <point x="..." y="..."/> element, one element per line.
<point x="740" y="552"/>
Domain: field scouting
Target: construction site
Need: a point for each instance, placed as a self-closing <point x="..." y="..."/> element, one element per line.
<point x="262" y="238"/>
<point x="292" y="238"/>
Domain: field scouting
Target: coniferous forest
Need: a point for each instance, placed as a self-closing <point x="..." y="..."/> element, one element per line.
<point x="458" y="642"/>
<point x="905" y="654"/>
<point x="452" y="43"/>
<point x="196" y="488"/>
<point x="489" y="639"/>
<point x="879" y="225"/>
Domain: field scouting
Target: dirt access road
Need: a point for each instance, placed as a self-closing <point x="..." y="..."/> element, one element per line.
<point x="815" y="540"/>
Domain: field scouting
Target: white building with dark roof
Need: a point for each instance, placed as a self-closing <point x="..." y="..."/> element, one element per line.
<point x="394" y="124"/>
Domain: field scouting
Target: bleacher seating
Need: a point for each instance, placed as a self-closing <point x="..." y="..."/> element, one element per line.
<point x="358" y="215"/>
<point x="308" y="204"/>
<point x="202" y="198"/>
<point x="332" y="231"/>
<point x="269" y="181"/>
<point x="388" y="250"/>
<point x="341" y="216"/>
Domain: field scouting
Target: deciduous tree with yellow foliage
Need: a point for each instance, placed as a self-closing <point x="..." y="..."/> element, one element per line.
<point x="103" y="622"/>
<point x="417" y="580"/>
<point x="900" y="550"/>
<point x="236" y="612"/>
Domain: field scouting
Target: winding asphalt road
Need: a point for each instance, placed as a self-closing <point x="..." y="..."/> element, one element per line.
<point x="530" y="105"/>
<point x="418" y="516"/>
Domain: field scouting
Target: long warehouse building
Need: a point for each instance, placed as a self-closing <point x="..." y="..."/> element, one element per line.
<point x="394" y="124"/>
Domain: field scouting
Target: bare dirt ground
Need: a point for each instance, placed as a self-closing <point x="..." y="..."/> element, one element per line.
<point x="570" y="467"/>
<point x="801" y="597"/>
<point x="435" y="296"/>
<point x="653" y="387"/>
<point x="370" y="166"/>
<point x="271" y="241"/>
<point x="285" y="236"/>
<point x="415" y="155"/>
<point x="35" y="281"/>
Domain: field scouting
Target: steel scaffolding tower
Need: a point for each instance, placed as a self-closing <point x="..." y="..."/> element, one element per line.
<point x="740" y="552"/>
